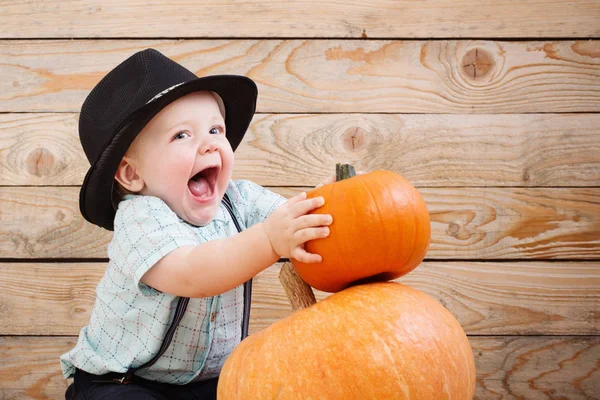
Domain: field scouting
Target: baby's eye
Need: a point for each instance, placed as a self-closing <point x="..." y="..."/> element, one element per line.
<point x="216" y="130"/>
<point x="181" y="135"/>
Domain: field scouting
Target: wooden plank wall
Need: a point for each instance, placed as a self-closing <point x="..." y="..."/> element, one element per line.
<point x="490" y="108"/>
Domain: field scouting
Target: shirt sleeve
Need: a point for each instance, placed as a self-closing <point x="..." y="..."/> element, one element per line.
<point x="258" y="202"/>
<point x="145" y="231"/>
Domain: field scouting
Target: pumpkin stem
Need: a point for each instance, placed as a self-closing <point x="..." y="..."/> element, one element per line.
<point x="298" y="292"/>
<point x="344" y="171"/>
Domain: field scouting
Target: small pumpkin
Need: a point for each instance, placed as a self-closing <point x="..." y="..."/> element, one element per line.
<point x="374" y="341"/>
<point x="380" y="231"/>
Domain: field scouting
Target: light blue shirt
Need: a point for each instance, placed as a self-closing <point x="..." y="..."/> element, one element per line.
<point x="130" y="319"/>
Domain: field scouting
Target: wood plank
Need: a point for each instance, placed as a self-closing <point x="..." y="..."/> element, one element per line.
<point x="41" y="149"/>
<point x="467" y="223"/>
<point x="45" y="222"/>
<point x="511" y="367"/>
<point x="537" y="368"/>
<point x="302" y="150"/>
<point x="30" y="367"/>
<point x="525" y="298"/>
<point x="299" y="18"/>
<point x="48" y="299"/>
<point x="533" y="298"/>
<point x="325" y="76"/>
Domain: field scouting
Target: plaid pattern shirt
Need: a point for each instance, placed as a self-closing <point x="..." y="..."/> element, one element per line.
<point x="130" y="319"/>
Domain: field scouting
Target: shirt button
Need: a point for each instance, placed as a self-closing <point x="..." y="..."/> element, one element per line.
<point x="213" y="316"/>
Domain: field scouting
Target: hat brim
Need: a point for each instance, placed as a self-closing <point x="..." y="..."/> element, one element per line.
<point x="239" y="96"/>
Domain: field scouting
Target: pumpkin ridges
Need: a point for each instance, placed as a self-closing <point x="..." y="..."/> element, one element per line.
<point x="378" y="230"/>
<point x="410" y="236"/>
<point x="360" y="209"/>
<point x="361" y="205"/>
<point x="422" y="223"/>
<point x="410" y="221"/>
<point x="419" y="341"/>
<point x="393" y="226"/>
<point x="397" y="225"/>
<point x="383" y="228"/>
<point x="415" y="227"/>
<point x="370" y="212"/>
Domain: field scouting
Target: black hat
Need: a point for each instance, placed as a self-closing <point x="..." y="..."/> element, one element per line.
<point x="126" y="99"/>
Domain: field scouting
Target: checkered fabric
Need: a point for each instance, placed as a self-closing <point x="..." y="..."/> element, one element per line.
<point x="130" y="319"/>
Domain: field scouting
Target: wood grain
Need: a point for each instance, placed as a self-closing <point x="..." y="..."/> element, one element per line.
<point x="537" y="368"/>
<point x="327" y="76"/>
<point x="299" y="18"/>
<point x="30" y="367"/>
<point x="41" y="149"/>
<point x="528" y="298"/>
<point x="533" y="298"/>
<point x="429" y="150"/>
<point x="45" y="222"/>
<point x="302" y="150"/>
<point x="510" y="367"/>
<point x="467" y="223"/>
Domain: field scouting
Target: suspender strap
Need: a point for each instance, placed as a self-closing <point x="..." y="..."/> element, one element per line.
<point x="182" y="305"/>
<point x="179" y="311"/>
<point x="247" y="284"/>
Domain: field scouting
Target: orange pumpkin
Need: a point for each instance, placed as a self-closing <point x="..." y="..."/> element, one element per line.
<point x="380" y="231"/>
<point x="373" y="341"/>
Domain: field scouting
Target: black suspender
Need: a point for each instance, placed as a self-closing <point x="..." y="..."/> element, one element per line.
<point x="248" y="284"/>
<point x="179" y="311"/>
<point x="182" y="305"/>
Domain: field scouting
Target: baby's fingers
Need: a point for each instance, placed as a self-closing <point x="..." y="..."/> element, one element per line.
<point x="297" y="198"/>
<point x="312" y="220"/>
<point x="303" y="256"/>
<point x="304" y="235"/>
<point x="304" y="206"/>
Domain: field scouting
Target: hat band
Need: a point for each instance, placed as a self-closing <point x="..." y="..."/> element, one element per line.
<point x="167" y="90"/>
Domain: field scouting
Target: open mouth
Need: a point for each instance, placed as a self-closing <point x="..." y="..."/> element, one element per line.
<point x="202" y="185"/>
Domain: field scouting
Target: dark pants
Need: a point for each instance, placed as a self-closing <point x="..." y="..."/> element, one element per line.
<point x="84" y="389"/>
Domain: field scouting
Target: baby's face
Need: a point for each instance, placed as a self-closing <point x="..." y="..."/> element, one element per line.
<point x="184" y="157"/>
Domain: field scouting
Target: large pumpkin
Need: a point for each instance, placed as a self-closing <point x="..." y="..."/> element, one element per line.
<point x="381" y="341"/>
<point x="380" y="231"/>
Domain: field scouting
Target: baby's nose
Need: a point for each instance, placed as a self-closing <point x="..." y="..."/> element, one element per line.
<point x="209" y="146"/>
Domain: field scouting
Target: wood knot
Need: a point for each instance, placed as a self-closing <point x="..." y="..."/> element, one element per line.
<point x="453" y="229"/>
<point x="477" y="63"/>
<point x="39" y="162"/>
<point x="60" y="216"/>
<point x="354" y="139"/>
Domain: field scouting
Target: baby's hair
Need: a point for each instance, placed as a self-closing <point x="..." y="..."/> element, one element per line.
<point x="119" y="191"/>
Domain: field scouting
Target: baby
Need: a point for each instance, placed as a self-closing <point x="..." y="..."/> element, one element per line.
<point x="174" y="300"/>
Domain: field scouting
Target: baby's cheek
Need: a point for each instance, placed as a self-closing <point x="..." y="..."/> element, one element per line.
<point x="224" y="177"/>
<point x="173" y="174"/>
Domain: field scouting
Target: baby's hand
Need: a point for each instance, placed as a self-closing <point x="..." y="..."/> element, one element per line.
<point x="290" y="226"/>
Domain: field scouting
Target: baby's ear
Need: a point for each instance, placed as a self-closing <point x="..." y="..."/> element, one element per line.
<point x="128" y="177"/>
